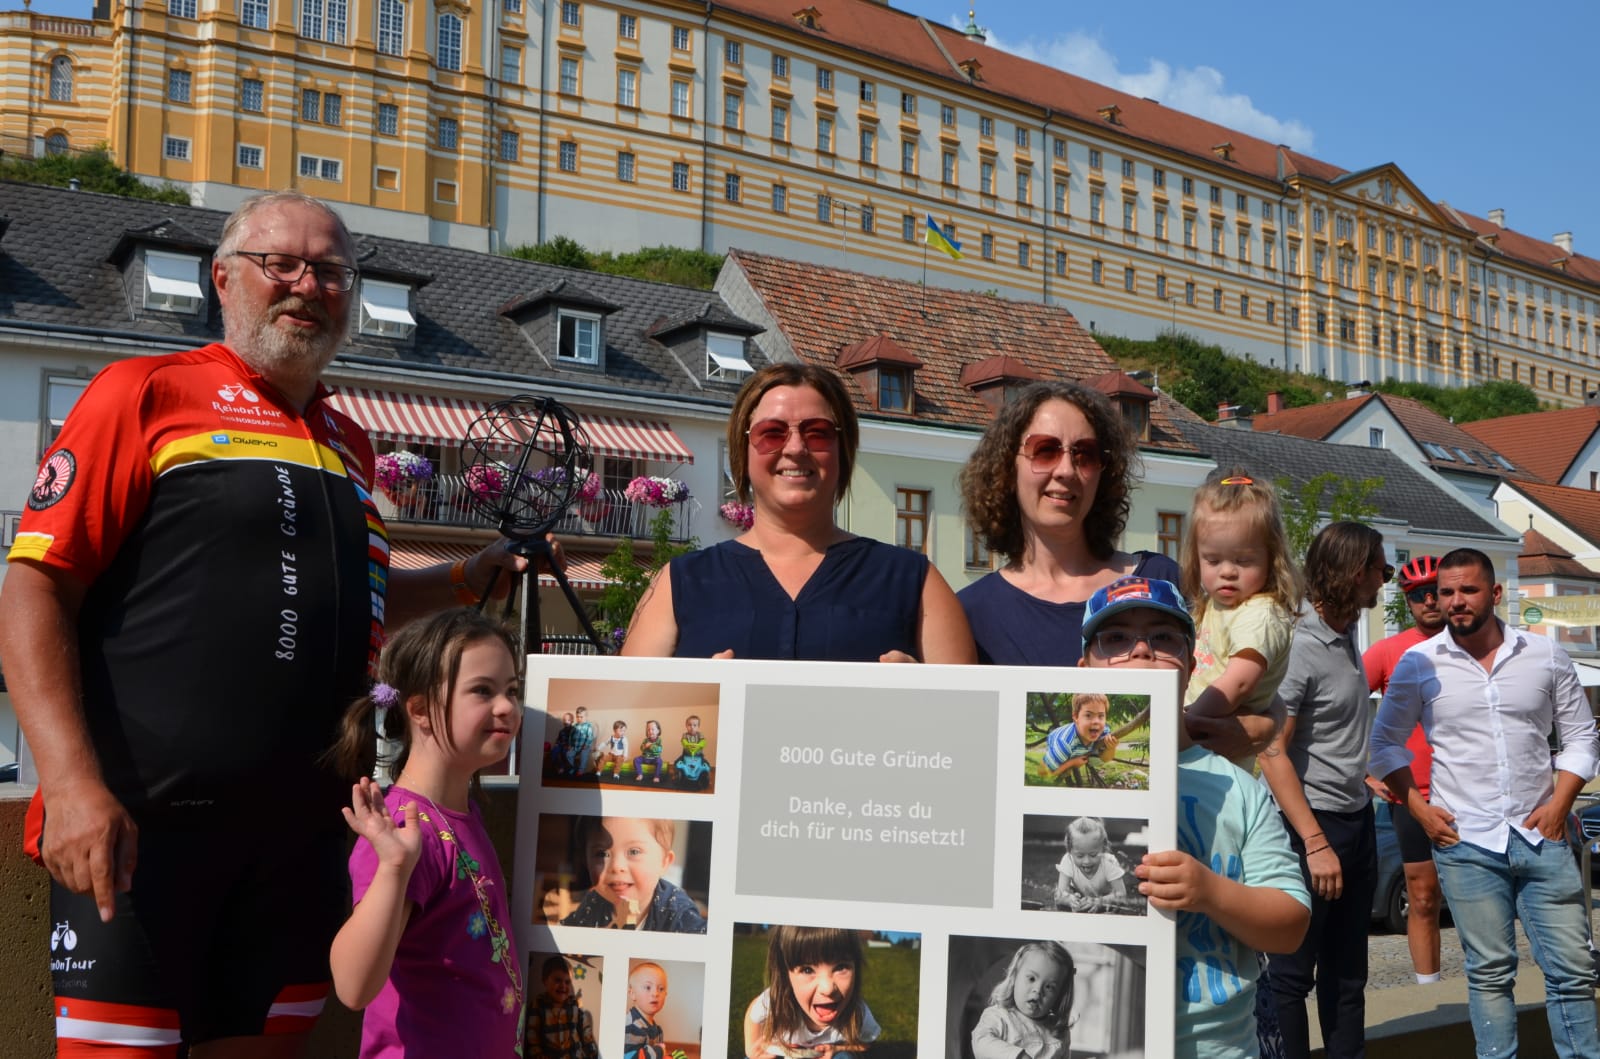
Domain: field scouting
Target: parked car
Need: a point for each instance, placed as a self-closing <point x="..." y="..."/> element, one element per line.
<point x="1389" y="903"/>
<point x="1589" y="824"/>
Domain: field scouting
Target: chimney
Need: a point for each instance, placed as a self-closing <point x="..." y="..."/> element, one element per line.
<point x="1234" y="416"/>
<point x="1497" y="218"/>
<point x="1563" y="240"/>
<point x="1274" y="402"/>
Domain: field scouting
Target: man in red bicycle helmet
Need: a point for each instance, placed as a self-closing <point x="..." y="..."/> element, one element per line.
<point x="1418" y="579"/>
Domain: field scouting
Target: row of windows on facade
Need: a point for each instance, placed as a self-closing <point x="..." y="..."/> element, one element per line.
<point x="326" y="20"/>
<point x="325" y="108"/>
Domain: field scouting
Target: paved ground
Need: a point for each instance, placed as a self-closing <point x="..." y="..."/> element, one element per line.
<point x="1389" y="960"/>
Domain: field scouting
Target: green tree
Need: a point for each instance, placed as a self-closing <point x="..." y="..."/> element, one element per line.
<point x="95" y="170"/>
<point x="562" y="250"/>
<point x="659" y="264"/>
<point x="1499" y="397"/>
<point x="1304" y="511"/>
<point x="629" y="581"/>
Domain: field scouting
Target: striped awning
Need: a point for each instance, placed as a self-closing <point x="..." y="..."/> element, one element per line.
<point x="583" y="568"/>
<point x="407" y="416"/>
<point x="436" y="420"/>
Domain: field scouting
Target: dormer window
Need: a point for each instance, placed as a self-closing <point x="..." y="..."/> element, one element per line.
<point x="894" y="389"/>
<point x="578" y="337"/>
<point x="885" y="371"/>
<point x="172" y="282"/>
<point x="386" y="309"/>
<point x="725" y="357"/>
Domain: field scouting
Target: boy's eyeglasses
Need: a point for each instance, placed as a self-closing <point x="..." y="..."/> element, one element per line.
<point x="1117" y="644"/>
<point x="1421" y="593"/>
<point x="1044" y="453"/>
<point x="771" y="435"/>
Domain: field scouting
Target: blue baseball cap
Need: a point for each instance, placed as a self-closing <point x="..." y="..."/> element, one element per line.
<point x="1129" y="593"/>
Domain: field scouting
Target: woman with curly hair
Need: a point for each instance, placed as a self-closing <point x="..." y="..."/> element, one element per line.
<point x="1048" y="487"/>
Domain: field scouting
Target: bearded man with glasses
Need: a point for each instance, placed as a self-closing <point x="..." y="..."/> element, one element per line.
<point x="194" y="597"/>
<point x="1419" y="581"/>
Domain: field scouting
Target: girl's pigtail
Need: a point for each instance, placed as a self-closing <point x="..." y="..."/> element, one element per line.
<point x="354" y="752"/>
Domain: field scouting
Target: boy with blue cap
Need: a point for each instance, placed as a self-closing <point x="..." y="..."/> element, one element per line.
<point x="1233" y="881"/>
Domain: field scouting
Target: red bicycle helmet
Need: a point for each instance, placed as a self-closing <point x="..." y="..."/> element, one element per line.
<point x="1423" y="570"/>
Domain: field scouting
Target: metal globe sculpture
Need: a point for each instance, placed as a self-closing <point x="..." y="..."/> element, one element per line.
<point x="523" y="462"/>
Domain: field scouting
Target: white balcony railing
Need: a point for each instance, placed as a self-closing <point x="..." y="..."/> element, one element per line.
<point x="444" y="500"/>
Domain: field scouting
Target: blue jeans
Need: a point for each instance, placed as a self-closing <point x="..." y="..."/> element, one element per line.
<point x="1541" y="886"/>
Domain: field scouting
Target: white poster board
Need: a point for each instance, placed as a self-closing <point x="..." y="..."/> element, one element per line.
<point x="903" y="804"/>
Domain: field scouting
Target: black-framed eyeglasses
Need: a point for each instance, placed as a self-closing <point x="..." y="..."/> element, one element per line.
<point x="1388" y="572"/>
<point x="1116" y="644"/>
<point x="1421" y="593"/>
<point x="287" y="268"/>
<point x="1045" y="452"/>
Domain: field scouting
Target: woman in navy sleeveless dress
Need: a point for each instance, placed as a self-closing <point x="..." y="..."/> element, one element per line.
<point x="1048" y="487"/>
<point x="796" y="586"/>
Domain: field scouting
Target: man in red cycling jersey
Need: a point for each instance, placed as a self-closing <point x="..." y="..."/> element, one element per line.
<point x="1419" y="581"/>
<point x="198" y="587"/>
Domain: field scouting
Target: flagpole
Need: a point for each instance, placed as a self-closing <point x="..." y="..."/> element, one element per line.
<point x="922" y="309"/>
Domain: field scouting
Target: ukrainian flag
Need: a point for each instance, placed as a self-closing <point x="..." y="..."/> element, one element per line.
<point x="936" y="238"/>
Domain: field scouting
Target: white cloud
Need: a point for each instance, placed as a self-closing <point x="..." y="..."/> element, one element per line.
<point x="1198" y="90"/>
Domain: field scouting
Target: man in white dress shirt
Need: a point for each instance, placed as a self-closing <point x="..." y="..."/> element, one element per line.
<point x="1487" y="696"/>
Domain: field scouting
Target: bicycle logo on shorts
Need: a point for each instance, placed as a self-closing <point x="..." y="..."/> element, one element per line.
<point x="63" y="937"/>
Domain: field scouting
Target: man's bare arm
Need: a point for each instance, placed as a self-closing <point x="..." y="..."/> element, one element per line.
<point x="90" y="841"/>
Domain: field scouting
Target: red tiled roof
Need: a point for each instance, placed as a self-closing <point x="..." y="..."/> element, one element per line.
<point x="1578" y="509"/>
<point x="995" y="369"/>
<point x="873" y="28"/>
<point x="1314" y="421"/>
<point x="1541" y="558"/>
<point x="1427" y="426"/>
<point x="821" y="310"/>
<point x="877" y="348"/>
<point x="1514" y="244"/>
<point x="1541" y="443"/>
<point x="1422" y="423"/>
<point x="1120" y="384"/>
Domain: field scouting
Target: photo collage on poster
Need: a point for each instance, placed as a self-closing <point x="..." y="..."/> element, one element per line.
<point x="784" y="859"/>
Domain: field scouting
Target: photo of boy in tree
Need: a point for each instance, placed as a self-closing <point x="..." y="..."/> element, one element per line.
<point x="1087" y="740"/>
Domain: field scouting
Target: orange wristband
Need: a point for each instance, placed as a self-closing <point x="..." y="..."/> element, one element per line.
<point x="458" y="583"/>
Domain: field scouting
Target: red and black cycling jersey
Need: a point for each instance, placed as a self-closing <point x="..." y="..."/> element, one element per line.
<point x="235" y="567"/>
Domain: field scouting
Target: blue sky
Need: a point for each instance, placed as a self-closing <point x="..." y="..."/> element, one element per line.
<point x="1481" y="104"/>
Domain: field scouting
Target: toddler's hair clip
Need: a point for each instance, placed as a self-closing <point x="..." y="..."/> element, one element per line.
<point x="1237" y="479"/>
<point x="385" y="695"/>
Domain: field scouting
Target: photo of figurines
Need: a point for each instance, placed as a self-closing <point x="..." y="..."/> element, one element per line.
<point x="799" y="990"/>
<point x="563" y="1006"/>
<point x="649" y="735"/>
<point x="625" y="872"/>
<point x="1087" y="740"/>
<point x="665" y="1001"/>
<point x="1083" y="864"/>
<point x="1044" y="999"/>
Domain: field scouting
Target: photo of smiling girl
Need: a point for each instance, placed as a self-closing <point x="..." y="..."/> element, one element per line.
<point x="623" y="873"/>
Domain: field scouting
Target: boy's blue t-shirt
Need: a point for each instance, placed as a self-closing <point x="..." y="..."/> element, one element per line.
<point x="1227" y="822"/>
<point x="1063" y="744"/>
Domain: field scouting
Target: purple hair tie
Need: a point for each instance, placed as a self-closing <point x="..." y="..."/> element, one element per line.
<point x="385" y="695"/>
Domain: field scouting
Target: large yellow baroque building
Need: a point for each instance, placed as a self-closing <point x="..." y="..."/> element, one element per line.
<point x="829" y="132"/>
